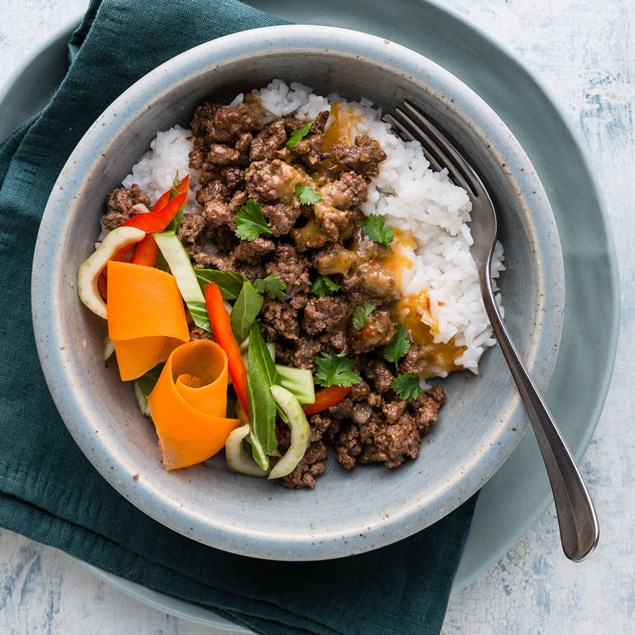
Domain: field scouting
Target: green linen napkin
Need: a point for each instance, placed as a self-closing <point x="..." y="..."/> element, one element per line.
<point x="52" y="494"/>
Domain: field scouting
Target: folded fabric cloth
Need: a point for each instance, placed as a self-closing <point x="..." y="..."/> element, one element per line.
<point x="52" y="494"/>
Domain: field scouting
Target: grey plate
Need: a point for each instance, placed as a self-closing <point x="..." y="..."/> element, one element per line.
<point x="520" y="487"/>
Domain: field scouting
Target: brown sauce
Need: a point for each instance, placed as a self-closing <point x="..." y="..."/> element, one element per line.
<point x="397" y="259"/>
<point x="407" y="310"/>
<point x="442" y="355"/>
<point x="342" y="126"/>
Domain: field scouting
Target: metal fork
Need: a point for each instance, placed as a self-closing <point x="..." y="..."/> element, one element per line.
<point x="577" y="520"/>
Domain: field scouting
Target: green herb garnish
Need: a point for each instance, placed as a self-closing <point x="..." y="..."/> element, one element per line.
<point x="251" y="222"/>
<point x="245" y="310"/>
<point x="273" y="286"/>
<point x="335" y="370"/>
<point x="407" y="386"/>
<point x="298" y="135"/>
<point x="147" y="382"/>
<point x="200" y="317"/>
<point x="230" y="283"/>
<point x="307" y="195"/>
<point x="398" y="346"/>
<point x="261" y="375"/>
<point x="376" y="229"/>
<point x="323" y="285"/>
<point x="175" y="223"/>
<point x="360" y="314"/>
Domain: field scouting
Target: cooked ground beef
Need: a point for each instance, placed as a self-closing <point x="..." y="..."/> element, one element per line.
<point x="322" y="314"/>
<point x="280" y="320"/>
<point x="197" y="333"/>
<point x="191" y="228"/>
<point x="378" y="330"/>
<point x="363" y="157"/>
<point x="268" y="141"/>
<point x="122" y="204"/>
<point x="253" y="251"/>
<point x="312" y="464"/>
<point x="291" y="267"/>
<point x="242" y="158"/>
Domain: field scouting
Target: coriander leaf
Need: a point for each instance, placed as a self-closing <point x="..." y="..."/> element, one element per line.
<point x="398" y="346"/>
<point x="298" y="135"/>
<point x="360" y="314"/>
<point x="307" y="195"/>
<point x="261" y="375"/>
<point x="407" y="386"/>
<point x="245" y="311"/>
<point x="374" y="226"/>
<point x="230" y="283"/>
<point x="335" y="370"/>
<point x="273" y="286"/>
<point x="323" y="285"/>
<point x="251" y="222"/>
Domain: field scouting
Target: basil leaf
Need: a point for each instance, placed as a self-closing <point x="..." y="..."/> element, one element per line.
<point x="175" y="223"/>
<point x="230" y="283"/>
<point x="147" y="382"/>
<point x="162" y="263"/>
<point x="245" y="311"/>
<point x="198" y="311"/>
<point x="261" y="375"/>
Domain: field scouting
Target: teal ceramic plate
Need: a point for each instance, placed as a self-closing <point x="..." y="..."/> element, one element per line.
<point x="519" y="492"/>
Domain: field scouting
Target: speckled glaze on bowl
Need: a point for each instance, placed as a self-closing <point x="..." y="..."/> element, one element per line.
<point x="347" y="513"/>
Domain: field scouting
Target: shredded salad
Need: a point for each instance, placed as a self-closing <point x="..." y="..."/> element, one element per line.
<point x="202" y="395"/>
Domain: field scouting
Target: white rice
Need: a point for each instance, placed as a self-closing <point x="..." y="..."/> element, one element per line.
<point x="411" y="196"/>
<point x="167" y="157"/>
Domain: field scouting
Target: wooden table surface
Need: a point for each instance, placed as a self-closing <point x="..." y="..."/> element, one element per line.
<point x="583" y="52"/>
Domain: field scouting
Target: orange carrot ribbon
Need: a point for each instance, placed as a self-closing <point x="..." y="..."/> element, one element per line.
<point x="146" y="317"/>
<point x="188" y="404"/>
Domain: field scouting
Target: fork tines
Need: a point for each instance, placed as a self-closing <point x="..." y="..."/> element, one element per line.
<point x="411" y="124"/>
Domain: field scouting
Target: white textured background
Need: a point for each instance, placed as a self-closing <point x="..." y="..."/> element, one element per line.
<point x="583" y="51"/>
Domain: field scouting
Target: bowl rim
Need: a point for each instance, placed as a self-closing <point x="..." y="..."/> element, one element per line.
<point x="125" y="108"/>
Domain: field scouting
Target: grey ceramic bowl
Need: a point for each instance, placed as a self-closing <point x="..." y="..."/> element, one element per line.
<point x="347" y="513"/>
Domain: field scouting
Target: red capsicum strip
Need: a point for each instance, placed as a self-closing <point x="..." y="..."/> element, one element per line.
<point x="181" y="187"/>
<point x="219" y="319"/>
<point x="156" y="221"/>
<point x="146" y="252"/>
<point x="163" y="211"/>
<point x="326" y="398"/>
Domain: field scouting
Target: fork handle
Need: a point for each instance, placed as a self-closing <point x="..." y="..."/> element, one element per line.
<point x="577" y="520"/>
